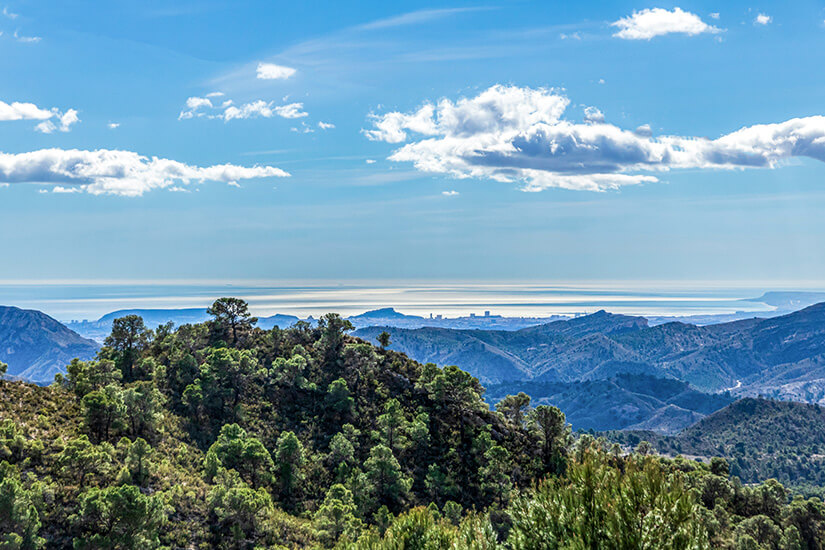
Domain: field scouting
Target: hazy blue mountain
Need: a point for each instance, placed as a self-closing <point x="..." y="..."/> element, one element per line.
<point x="790" y="300"/>
<point x="98" y="330"/>
<point x="534" y="352"/>
<point x="781" y="356"/>
<point x="278" y="320"/>
<point x="36" y="347"/>
<point x="622" y="402"/>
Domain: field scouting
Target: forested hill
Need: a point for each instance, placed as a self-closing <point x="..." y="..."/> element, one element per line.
<point x="781" y="357"/>
<point x="36" y="347"/>
<point x="224" y="435"/>
<point x="762" y="438"/>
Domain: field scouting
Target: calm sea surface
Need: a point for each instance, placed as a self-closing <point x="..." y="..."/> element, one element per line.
<point x="89" y="300"/>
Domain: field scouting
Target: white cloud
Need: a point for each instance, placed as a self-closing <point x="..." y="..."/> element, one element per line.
<point x="254" y="109"/>
<point x="271" y="71"/>
<point x="51" y="119"/>
<point x="762" y="19"/>
<point x="215" y="94"/>
<point x="23" y="111"/>
<point x="113" y="125"/>
<point x="593" y="115"/>
<point x="643" y="130"/>
<point x="370" y="161"/>
<point x="450" y="193"/>
<point x="227" y="110"/>
<point x="326" y="125"/>
<point x="291" y="110"/>
<point x="649" y="23"/>
<point x="115" y="172"/>
<point x="571" y="36"/>
<point x="714" y="15"/>
<point x="513" y="134"/>
<point x="9" y="14"/>
<point x="66" y="190"/>
<point x="64" y="122"/>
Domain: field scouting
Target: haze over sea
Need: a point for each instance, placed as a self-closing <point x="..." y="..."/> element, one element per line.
<point x="70" y="300"/>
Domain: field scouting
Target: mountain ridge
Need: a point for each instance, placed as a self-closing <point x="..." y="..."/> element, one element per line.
<point x="36" y="346"/>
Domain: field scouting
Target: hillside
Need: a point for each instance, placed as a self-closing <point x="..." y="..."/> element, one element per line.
<point x="36" y="347"/>
<point x="781" y="356"/>
<point x="761" y="438"/>
<point x="223" y="435"/>
<point x="623" y="402"/>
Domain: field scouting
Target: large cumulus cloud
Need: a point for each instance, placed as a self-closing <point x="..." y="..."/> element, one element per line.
<point x="515" y="134"/>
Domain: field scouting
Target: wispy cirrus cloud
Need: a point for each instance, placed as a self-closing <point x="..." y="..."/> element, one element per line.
<point x="117" y="172"/>
<point x="653" y="22"/>
<point x="416" y="18"/>
<point x="513" y="134"/>
<point x="50" y="119"/>
<point x="27" y="39"/>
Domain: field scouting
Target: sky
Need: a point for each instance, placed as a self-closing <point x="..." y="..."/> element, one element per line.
<point x="510" y="141"/>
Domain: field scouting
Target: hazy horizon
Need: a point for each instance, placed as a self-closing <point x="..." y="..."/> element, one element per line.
<point x="90" y="300"/>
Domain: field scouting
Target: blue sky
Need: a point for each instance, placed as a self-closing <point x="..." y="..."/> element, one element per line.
<point x="502" y="141"/>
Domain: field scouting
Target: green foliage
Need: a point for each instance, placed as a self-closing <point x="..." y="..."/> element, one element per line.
<point x="138" y="462"/>
<point x="118" y="517"/>
<point x="513" y="408"/>
<point x="384" y="339"/>
<point x="80" y="458"/>
<point x="19" y="518"/>
<point x="389" y="486"/>
<point x="289" y="458"/>
<point x="599" y="505"/>
<point x="129" y="338"/>
<point x="232" y="320"/>
<point x="236" y="450"/>
<point x="337" y="515"/>
<point x="103" y="412"/>
<point x="239" y="513"/>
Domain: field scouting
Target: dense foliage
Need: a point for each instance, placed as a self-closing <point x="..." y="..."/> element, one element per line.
<point x="223" y="435"/>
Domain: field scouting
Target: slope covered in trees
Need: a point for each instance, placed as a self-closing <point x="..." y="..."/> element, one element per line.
<point x="761" y="438"/>
<point x="223" y="435"/>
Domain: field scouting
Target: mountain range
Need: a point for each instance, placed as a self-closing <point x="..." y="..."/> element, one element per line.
<point x="36" y="346"/>
<point x="782" y="357"/>
<point x="624" y="402"/>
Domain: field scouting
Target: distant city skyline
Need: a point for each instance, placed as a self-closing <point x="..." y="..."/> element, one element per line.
<point x="343" y="141"/>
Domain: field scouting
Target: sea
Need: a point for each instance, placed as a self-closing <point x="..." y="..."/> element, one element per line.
<point x="88" y="300"/>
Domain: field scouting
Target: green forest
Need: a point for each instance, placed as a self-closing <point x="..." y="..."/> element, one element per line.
<point x="224" y="435"/>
